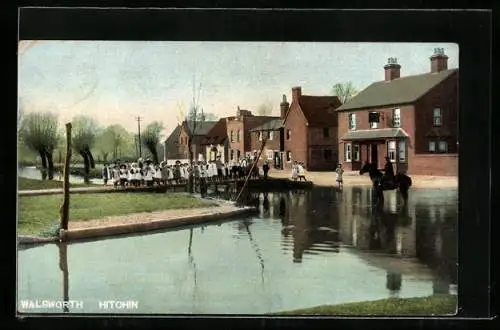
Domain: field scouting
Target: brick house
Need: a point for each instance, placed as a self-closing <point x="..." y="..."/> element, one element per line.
<point x="171" y="145"/>
<point x="197" y="130"/>
<point x="272" y="133"/>
<point x="238" y="131"/>
<point x="216" y="142"/>
<point x="412" y="120"/>
<point x="310" y="130"/>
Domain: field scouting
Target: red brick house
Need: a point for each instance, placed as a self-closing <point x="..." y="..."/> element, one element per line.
<point x="273" y="135"/>
<point x="197" y="130"/>
<point x="238" y="131"/>
<point x="310" y="131"/>
<point x="216" y="142"/>
<point x="413" y="120"/>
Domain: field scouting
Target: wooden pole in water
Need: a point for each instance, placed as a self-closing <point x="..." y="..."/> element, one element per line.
<point x="251" y="169"/>
<point x="64" y="211"/>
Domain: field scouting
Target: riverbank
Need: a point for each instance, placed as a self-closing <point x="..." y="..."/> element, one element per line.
<point x="39" y="215"/>
<point x="327" y="179"/>
<point x="436" y="305"/>
<point x="34" y="184"/>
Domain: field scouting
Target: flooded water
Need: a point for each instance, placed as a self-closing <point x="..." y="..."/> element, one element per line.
<point x="301" y="249"/>
<point x="32" y="172"/>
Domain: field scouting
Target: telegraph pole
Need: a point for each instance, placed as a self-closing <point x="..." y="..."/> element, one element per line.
<point x="139" y="135"/>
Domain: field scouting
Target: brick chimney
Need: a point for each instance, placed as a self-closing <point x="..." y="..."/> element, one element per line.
<point x="439" y="61"/>
<point x="284" y="105"/>
<point x="392" y="69"/>
<point x="296" y="93"/>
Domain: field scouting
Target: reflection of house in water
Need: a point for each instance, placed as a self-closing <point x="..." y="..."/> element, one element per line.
<point x="312" y="224"/>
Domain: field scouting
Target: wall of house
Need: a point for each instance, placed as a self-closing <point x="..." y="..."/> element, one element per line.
<point x="434" y="164"/>
<point x="318" y="160"/>
<point x="445" y="97"/>
<point x="235" y="125"/>
<point x="297" y="143"/>
<point x="220" y="151"/>
<point x="407" y="114"/>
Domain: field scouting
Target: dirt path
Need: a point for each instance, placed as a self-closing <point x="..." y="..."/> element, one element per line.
<point x="354" y="179"/>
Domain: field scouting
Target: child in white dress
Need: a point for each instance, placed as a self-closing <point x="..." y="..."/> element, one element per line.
<point x="295" y="171"/>
<point x="339" y="171"/>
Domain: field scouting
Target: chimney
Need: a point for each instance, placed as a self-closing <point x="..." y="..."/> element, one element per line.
<point x="284" y="107"/>
<point x="296" y="93"/>
<point x="439" y="61"/>
<point x="392" y="69"/>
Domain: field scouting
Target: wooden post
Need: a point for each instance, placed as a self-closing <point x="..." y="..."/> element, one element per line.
<point x="64" y="211"/>
<point x="251" y="169"/>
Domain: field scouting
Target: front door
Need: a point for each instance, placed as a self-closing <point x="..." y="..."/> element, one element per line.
<point x="277" y="161"/>
<point x="374" y="154"/>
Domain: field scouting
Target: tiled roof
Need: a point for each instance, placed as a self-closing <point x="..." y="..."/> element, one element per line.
<point x="202" y="127"/>
<point x="217" y="134"/>
<point x="398" y="91"/>
<point x="370" y="134"/>
<point x="320" y="110"/>
<point x="272" y="125"/>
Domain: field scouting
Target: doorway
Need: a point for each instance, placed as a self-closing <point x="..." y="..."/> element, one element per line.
<point x="374" y="154"/>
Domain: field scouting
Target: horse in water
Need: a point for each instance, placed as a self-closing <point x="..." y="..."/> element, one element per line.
<point x="380" y="183"/>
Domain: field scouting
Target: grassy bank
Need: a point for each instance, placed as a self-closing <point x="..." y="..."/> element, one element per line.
<point x="38" y="215"/>
<point x="34" y="184"/>
<point x="433" y="305"/>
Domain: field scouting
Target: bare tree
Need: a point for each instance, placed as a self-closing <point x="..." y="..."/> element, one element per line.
<point x="344" y="91"/>
<point x="38" y="131"/>
<point x="192" y="126"/>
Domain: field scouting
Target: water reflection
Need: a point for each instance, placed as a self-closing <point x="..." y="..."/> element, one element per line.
<point x="304" y="248"/>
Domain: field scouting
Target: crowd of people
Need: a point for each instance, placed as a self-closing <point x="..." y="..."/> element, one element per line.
<point x="145" y="173"/>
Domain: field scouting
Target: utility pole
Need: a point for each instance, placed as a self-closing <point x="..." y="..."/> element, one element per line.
<point x="139" y="136"/>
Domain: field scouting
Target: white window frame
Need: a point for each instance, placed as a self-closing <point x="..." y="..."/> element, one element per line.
<point x="373" y="124"/>
<point x="232" y="136"/>
<point x="260" y="135"/>
<point x="356" y="152"/>
<point x="402" y="150"/>
<point x="391" y="150"/>
<point x="445" y="148"/>
<point x="437" y="117"/>
<point x="396" y="118"/>
<point x="289" y="156"/>
<point x="432" y="146"/>
<point x="347" y="152"/>
<point x="270" y="154"/>
<point x="351" y="118"/>
<point x="270" y="135"/>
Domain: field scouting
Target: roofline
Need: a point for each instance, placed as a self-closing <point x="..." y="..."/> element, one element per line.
<point x="454" y="71"/>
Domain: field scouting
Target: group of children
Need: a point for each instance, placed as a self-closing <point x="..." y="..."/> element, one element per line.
<point x="298" y="171"/>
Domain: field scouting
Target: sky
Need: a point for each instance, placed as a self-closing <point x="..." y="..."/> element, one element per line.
<point x="116" y="81"/>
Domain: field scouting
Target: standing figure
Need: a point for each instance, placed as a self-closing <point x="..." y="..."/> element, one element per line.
<point x="388" y="172"/>
<point x="301" y="172"/>
<point x="105" y="174"/>
<point x="157" y="175"/>
<point x="339" y="171"/>
<point x="116" y="175"/>
<point x="123" y="175"/>
<point x="265" y="169"/>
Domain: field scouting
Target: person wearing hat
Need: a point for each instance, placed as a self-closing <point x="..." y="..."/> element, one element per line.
<point x="123" y="175"/>
<point x="116" y="175"/>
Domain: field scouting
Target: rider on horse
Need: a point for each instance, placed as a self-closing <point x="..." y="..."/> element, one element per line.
<point x="388" y="171"/>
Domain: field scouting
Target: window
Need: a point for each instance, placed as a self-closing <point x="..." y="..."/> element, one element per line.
<point x="443" y="146"/>
<point x="373" y="119"/>
<point x="270" y="154"/>
<point x="232" y="154"/>
<point x="326" y="132"/>
<point x="238" y="154"/>
<point x="355" y="152"/>
<point x="288" y="156"/>
<point x="391" y="150"/>
<point x="232" y="136"/>
<point x="347" y="149"/>
<point x="288" y="134"/>
<point x="432" y="146"/>
<point x="270" y="135"/>
<point x="402" y="151"/>
<point x="238" y="136"/>
<point x="260" y="136"/>
<point x="327" y="154"/>
<point x="437" y="117"/>
<point x="352" y="121"/>
<point x="396" y="118"/>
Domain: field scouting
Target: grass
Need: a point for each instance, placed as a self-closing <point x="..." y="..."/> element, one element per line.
<point x="34" y="184"/>
<point x="433" y="305"/>
<point x="39" y="215"/>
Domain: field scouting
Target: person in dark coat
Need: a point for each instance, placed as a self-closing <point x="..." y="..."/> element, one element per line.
<point x="388" y="170"/>
<point x="265" y="169"/>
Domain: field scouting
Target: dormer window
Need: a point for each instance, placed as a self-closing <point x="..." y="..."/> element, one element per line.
<point x="352" y="121"/>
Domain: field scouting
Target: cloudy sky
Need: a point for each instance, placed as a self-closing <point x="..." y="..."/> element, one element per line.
<point x="114" y="82"/>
